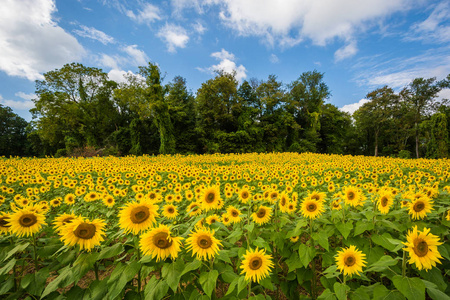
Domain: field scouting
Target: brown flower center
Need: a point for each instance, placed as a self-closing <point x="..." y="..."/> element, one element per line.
<point x="283" y="201"/>
<point x="204" y="242"/>
<point x="234" y="213"/>
<point x="349" y="260"/>
<point x="4" y="223"/>
<point x="261" y="213"/>
<point x="139" y="214"/>
<point x="210" y="198"/>
<point x="255" y="263"/>
<point x="85" y="231"/>
<point x="170" y="210"/>
<point x="67" y="220"/>
<point x="161" y="240"/>
<point x="27" y="220"/>
<point x="384" y="201"/>
<point x="420" y="248"/>
<point x="244" y="195"/>
<point x="351" y="196"/>
<point x="418" y="206"/>
<point x="312" y="207"/>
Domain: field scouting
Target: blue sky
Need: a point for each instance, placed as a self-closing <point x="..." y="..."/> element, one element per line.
<point x="359" y="45"/>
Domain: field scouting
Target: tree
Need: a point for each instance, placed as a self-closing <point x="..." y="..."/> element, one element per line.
<point x="74" y="106"/>
<point x="13" y="133"/>
<point x="421" y="96"/>
<point x="334" y="130"/>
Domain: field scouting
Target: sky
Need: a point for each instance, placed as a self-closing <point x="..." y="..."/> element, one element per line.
<point x="358" y="45"/>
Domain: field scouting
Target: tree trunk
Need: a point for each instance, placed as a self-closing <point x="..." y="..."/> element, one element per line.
<point x="376" y="143"/>
<point x="417" y="142"/>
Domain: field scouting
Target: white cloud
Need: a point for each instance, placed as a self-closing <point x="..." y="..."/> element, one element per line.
<point x="31" y="42"/>
<point x="289" y="21"/>
<point x="435" y="28"/>
<point x="351" y="108"/>
<point x="138" y="57"/>
<point x="17" y="104"/>
<point x="92" y="33"/>
<point x="444" y="94"/>
<point x="174" y="36"/>
<point x="147" y="14"/>
<point x="199" y="28"/>
<point x="399" y="72"/>
<point x="345" y="52"/>
<point x="274" y="59"/>
<point x="226" y="64"/>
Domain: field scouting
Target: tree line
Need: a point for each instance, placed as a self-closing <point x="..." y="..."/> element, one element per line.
<point x="79" y="110"/>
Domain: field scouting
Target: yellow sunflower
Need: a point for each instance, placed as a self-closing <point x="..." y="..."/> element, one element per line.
<point x="352" y="196"/>
<point x="26" y="222"/>
<point x="84" y="233"/>
<point x="159" y="243"/>
<point x="294" y="239"/>
<point x="422" y="248"/>
<point x="212" y="219"/>
<point x="62" y="220"/>
<point x="194" y="209"/>
<point x="419" y="207"/>
<point x="291" y="207"/>
<point x="256" y="265"/>
<point x="244" y="195"/>
<point x="203" y="244"/>
<point x="316" y="196"/>
<point x="136" y="217"/>
<point x="109" y="201"/>
<point x="69" y="199"/>
<point x="336" y="204"/>
<point x="226" y="219"/>
<point x="91" y="196"/>
<point x="234" y="214"/>
<point x="170" y="211"/>
<point x="311" y="208"/>
<point x="5" y="226"/>
<point x="385" y="202"/>
<point x="262" y="215"/>
<point x="210" y="199"/>
<point x="56" y="202"/>
<point x="350" y="260"/>
<point x="447" y="217"/>
<point x="284" y="200"/>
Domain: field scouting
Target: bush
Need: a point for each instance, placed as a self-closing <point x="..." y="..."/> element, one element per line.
<point x="60" y="153"/>
<point x="404" y="154"/>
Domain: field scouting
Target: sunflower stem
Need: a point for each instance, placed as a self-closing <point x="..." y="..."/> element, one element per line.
<point x="313" y="264"/>
<point x="138" y="253"/>
<point x="35" y="253"/>
<point x="404" y="264"/>
<point x="249" y="289"/>
<point x="96" y="271"/>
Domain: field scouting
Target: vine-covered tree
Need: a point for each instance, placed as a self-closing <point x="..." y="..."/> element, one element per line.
<point x="13" y="133"/>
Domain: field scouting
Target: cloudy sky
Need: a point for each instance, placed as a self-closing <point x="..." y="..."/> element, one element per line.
<point x="359" y="45"/>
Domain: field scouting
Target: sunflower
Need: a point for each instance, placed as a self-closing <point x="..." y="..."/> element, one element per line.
<point x="447" y="217"/>
<point x="109" y="201"/>
<point x="385" y="202"/>
<point x="336" y="204"/>
<point x="316" y="196"/>
<point x="159" y="242"/>
<point x="226" y="219"/>
<point x="294" y="239"/>
<point x="262" y="215"/>
<point x="312" y="208"/>
<point x="69" y="199"/>
<point x="422" y="248"/>
<point x="244" y="195"/>
<point x="419" y="207"/>
<point x="194" y="209"/>
<point x="350" y="261"/>
<point x="212" y="219"/>
<point x="203" y="244"/>
<point x="291" y="207"/>
<point x="91" y="196"/>
<point x="170" y="211"/>
<point x="84" y="233"/>
<point x="234" y="214"/>
<point x="136" y="217"/>
<point x="210" y="199"/>
<point x="256" y="265"/>
<point x="5" y="226"/>
<point x="284" y="200"/>
<point x="352" y="196"/>
<point x="62" y="220"/>
<point x="56" y="202"/>
<point x="26" y="222"/>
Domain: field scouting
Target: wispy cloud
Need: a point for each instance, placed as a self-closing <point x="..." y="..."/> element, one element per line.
<point x="148" y="13"/>
<point x="226" y="64"/>
<point x="17" y="104"/>
<point x="346" y="52"/>
<point x="95" y="34"/>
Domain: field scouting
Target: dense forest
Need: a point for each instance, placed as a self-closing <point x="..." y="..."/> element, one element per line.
<point x="80" y="112"/>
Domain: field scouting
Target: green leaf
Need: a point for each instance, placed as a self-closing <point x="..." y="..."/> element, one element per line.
<point x="83" y="264"/>
<point x="322" y="238"/>
<point x="267" y="283"/>
<point x="435" y="276"/>
<point x="387" y="242"/>
<point x="327" y="295"/>
<point x="8" y="267"/>
<point x="232" y="285"/>
<point x="261" y="243"/>
<point x="235" y="236"/>
<point x="229" y="276"/>
<point x="294" y="262"/>
<point x="223" y="255"/>
<point x="34" y="283"/>
<point x="411" y="288"/>
<point x="6" y="285"/>
<point x="380" y="292"/>
<point x="65" y="278"/>
<point x="157" y="289"/>
<point x="436" y="294"/>
<point x="242" y="283"/>
<point x="341" y="290"/>
<point x="112" y="251"/>
<point x="306" y="254"/>
<point x="385" y="262"/>
<point x="193" y="265"/>
<point x="249" y="227"/>
<point x="124" y="275"/>
<point x="16" y="249"/>
<point x="172" y="273"/>
<point x="98" y="289"/>
<point x="345" y="228"/>
<point x="298" y="228"/>
<point x="362" y="226"/>
<point x="208" y="281"/>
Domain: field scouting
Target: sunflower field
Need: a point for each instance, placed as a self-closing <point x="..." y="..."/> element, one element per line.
<point x="247" y="226"/>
